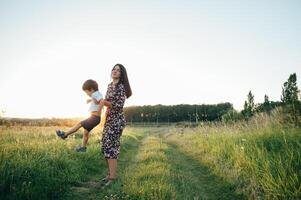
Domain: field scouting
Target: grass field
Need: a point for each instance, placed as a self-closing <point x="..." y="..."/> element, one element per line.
<point x="259" y="159"/>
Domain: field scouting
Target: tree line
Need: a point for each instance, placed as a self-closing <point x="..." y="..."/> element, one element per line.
<point x="290" y="100"/>
<point x="176" y="113"/>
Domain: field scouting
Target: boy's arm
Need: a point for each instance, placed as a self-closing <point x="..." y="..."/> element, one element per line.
<point x="100" y="103"/>
<point x="95" y="101"/>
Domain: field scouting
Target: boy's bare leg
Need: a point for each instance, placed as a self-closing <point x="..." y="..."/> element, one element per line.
<point x="85" y="138"/>
<point x="73" y="129"/>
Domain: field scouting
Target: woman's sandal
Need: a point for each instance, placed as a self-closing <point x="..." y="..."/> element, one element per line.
<point x="109" y="182"/>
<point x="105" y="178"/>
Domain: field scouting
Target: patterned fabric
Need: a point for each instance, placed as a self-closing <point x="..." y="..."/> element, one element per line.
<point x="115" y="121"/>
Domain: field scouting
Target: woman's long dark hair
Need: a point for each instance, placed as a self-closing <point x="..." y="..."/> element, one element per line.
<point x="124" y="80"/>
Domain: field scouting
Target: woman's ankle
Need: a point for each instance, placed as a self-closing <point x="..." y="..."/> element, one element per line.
<point x="111" y="177"/>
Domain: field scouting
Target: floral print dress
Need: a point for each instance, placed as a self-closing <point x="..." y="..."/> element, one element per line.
<point x="115" y="121"/>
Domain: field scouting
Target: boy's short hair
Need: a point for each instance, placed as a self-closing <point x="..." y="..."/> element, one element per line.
<point x="90" y="84"/>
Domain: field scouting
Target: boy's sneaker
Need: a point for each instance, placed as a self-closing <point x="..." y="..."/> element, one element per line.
<point x="61" y="134"/>
<point x="81" y="149"/>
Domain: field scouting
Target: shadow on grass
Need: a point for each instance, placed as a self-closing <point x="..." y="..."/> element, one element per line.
<point x="196" y="181"/>
<point x="163" y="171"/>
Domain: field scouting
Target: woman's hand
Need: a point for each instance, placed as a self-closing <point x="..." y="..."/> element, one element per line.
<point x="107" y="104"/>
<point x="89" y="100"/>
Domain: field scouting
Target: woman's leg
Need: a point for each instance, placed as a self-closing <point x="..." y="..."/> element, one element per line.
<point x="108" y="174"/>
<point x="112" y="167"/>
<point x="104" y="140"/>
<point x="113" y="162"/>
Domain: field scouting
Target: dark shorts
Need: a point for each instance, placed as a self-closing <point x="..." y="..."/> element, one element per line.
<point x="90" y="122"/>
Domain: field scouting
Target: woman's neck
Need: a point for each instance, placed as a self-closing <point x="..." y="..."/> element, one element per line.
<point x="115" y="81"/>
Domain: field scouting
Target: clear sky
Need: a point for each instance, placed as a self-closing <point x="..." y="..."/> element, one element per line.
<point x="192" y="52"/>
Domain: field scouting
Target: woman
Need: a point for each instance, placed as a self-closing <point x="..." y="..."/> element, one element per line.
<point x="118" y="90"/>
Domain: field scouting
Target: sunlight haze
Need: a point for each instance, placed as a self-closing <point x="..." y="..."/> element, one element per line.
<point x="175" y="52"/>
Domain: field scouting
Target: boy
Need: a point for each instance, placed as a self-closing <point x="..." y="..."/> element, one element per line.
<point x="96" y="104"/>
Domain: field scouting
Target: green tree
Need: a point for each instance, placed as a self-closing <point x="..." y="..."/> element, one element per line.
<point x="290" y="90"/>
<point x="249" y="106"/>
<point x="266" y="106"/>
<point x="290" y="96"/>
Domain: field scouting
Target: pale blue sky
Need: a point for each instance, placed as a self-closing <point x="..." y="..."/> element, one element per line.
<point x="175" y="52"/>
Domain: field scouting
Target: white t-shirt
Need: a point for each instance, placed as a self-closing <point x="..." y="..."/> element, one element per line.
<point x="97" y="96"/>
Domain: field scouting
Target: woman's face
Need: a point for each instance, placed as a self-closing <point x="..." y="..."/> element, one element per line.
<point x="115" y="74"/>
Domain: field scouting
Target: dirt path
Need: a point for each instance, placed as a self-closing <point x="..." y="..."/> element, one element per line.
<point x="153" y="168"/>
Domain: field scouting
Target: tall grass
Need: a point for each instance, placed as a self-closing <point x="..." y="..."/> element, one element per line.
<point x="35" y="164"/>
<point x="261" y="156"/>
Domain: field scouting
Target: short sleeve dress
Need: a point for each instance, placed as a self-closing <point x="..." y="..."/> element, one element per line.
<point x="115" y="121"/>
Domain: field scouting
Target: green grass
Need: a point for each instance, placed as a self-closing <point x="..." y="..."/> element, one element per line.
<point x="163" y="171"/>
<point x="262" y="162"/>
<point x="35" y="164"/>
<point x="258" y="159"/>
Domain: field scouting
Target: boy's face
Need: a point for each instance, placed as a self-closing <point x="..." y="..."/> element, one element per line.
<point x="89" y="92"/>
